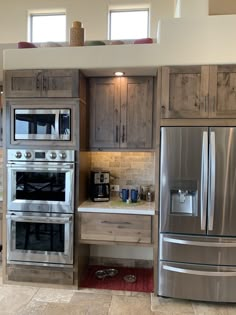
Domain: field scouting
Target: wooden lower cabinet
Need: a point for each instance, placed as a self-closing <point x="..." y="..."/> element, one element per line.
<point x="122" y="228"/>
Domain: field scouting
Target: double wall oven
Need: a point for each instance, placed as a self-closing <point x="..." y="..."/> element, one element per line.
<point x="40" y="206"/>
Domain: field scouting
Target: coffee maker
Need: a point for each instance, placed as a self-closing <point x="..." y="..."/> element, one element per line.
<point x="100" y="186"/>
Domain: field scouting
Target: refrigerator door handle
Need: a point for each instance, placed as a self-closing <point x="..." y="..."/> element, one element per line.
<point x="201" y="273"/>
<point x="212" y="173"/>
<point x="199" y="243"/>
<point x="204" y="171"/>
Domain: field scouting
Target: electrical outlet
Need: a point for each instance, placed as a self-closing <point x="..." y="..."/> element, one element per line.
<point x="115" y="187"/>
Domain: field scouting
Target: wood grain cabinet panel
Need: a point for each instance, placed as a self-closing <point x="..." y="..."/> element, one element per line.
<point x="136" y="112"/>
<point x="121" y="113"/>
<point x="42" y="83"/>
<point x="104" y="112"/>
<point x="184" y="92"/>
<point x="115" y="228"/>
<point x="222" y="91"/>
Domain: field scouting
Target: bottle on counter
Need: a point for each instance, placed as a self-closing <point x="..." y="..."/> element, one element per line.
<point x="76" y="34"/>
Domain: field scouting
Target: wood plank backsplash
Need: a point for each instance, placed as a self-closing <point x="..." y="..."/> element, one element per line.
<point x="126" y="168"/>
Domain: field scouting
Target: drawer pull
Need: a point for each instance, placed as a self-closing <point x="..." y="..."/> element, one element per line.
<point x="118" y="222"/>
<point x="207" y="273"/>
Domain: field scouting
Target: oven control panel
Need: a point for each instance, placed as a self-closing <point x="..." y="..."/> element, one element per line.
<point x="41" y="155"/>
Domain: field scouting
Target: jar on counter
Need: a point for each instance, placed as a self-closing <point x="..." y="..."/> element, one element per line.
<point x="149" y="196"/>
<point x="143" y="192"/>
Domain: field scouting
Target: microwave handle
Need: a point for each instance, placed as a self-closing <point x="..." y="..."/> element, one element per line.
<point x="36" y="219"/>
<point x="57" y="118"/>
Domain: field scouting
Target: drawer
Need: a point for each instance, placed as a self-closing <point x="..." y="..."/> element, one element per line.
<point x="116" y="228"/>
<point x="198" y="249"/>
<point x="197" y="282"/>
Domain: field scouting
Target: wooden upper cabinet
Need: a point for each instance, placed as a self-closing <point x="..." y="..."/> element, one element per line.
<point x="121" y="112"/>
<point x="42" y="83"/>
<point x="104" y="112"/>
<point x="222" y="91"/>
<point x="136" y="112"/>
<point x="184" y="91"/>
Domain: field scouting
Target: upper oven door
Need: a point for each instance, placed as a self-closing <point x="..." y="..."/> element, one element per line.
<point x="41" y="187"/>
<point x="42" y="124"/>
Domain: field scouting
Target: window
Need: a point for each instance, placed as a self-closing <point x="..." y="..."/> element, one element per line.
<point x="45" y="27"/>
<point x="128" y="24"/>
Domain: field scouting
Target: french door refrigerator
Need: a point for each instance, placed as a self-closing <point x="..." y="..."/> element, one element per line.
<point x="197" y="232"/>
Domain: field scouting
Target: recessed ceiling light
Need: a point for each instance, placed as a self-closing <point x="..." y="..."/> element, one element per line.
<point x="119" y="73"/>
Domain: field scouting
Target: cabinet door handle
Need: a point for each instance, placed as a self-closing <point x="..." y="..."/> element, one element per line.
<point x="38" y="81"/>
<point x="123" y="133"/>
<point x="214" y="104"/>
<point x="117" y="139"/>
<point x="205" y="103"/>
<point x="45" y="83"/>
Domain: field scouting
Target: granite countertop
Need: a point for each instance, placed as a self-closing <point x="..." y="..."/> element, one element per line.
<point x="115" y="205"/>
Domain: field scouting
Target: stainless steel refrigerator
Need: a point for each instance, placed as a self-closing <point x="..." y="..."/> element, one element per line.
<point x="197" y="232"/>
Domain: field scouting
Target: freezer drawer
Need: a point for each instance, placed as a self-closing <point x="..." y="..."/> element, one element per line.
<point x="197" y="282"/>
<point x="198" y="249"/>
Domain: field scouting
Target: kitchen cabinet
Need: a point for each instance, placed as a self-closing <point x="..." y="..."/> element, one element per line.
<point x="222" y="91"/>
<point x="184" y="92"/>
<point x="198" y="91"/>
<point x="121" y="113"/>
<point x="124" y="228"/>
<point x="41" y="83"/>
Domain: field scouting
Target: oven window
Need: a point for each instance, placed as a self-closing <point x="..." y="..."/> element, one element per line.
<point x="40" y="236"/>
<point x="35" y="124"/>
<point x="47" y="185"/>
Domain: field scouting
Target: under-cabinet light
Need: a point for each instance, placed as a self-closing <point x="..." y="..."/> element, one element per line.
<point x="119" y="73"/>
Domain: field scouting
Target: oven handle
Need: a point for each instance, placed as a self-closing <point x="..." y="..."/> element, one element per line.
<point x="41" y="167"/>
<point x="36" y="219"/>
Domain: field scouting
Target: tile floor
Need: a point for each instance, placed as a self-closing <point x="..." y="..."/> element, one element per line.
<point x="25" y="300"/>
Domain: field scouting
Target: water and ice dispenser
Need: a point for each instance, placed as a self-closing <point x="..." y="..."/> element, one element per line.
<point x="183" y="199"/>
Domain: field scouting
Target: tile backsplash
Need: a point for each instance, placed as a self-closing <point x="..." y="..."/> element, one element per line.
<point x="126" y="168"/>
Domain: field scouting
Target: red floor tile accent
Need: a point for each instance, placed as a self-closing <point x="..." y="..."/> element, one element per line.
<point x="144" y="279"/>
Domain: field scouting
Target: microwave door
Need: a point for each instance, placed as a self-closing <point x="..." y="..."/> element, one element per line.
<point x="183" y="179"/>
<point x="36" y="124"/>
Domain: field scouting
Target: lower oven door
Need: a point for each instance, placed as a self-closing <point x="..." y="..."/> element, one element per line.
<point x="38" y="238"/>
<point x="40" y="187"/>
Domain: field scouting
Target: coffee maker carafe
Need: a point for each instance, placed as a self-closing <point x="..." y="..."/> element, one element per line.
<point x="100" y="186"/>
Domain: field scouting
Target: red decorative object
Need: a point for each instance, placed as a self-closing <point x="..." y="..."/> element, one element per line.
<point x="143" y="41"/>
<point x="26" y="45"/>
<point x="143" y="283"/>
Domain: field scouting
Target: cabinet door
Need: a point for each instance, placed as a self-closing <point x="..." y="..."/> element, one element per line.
<point x="23" y="83"/>
<point x="136" y="112"/>
<point x="222" y="91"/>
<point x="184" y="92"/>
<point x="60" y="83"/>
<point x="104" y="112"/>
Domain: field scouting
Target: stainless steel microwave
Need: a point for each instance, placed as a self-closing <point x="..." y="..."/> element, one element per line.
<point x="42" y="122"/>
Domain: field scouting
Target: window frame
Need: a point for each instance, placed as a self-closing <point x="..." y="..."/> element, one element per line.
<point x="144" y="9"/>
<point x="33" y="14"/>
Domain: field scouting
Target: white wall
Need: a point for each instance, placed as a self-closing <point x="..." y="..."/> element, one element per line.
<point x="92" y="13"/>
<point x="192" y="8"/>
